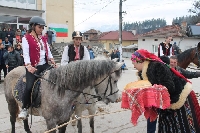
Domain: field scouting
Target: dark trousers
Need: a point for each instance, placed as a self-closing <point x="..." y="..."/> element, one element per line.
<point x="4" y="70"/>
<point x="11" y="42"/>
<point x="10" y="68"/>
<point x="30" y="79"/>
<point x="151" y="126"/>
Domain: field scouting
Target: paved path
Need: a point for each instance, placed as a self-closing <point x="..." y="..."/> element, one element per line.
<point x="111" y="123"/>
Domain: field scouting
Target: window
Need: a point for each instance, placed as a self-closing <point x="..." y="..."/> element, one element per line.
<point x="31" y="1"/>
<point x="8" y="19"/>
<point x="22" y="1"/>
<point x="110" y="46"/>
<point x="155" y="48"/>
<point x="11" y="0"/>
<point x="155" y="39"/>
<point x="143" y="39"/>
<point x="86" y="37"/>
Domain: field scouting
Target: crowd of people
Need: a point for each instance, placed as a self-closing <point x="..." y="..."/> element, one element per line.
<point x="162" y="71"/>
<point x="8" y="35"/>
<point x="10" y="56"/>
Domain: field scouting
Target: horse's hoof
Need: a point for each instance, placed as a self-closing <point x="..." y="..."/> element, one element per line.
<point x="28" y="131"/>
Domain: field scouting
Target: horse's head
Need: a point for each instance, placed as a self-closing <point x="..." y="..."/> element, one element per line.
<point x="107" y="89"/>
<point x="196" y="55"/>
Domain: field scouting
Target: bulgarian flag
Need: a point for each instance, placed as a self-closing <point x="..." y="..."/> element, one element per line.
<point x="60" y="29"/>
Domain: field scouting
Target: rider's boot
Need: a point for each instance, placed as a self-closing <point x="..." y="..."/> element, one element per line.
<point x="23" y="114"/>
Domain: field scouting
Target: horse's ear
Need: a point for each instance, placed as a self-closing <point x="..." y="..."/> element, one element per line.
<point x="118" y="65"/>
<point x="198" y="45"/>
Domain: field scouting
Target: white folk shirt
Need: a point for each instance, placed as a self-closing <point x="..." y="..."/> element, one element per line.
<point x="65" y="57"/>
<point x="25" y="47"/>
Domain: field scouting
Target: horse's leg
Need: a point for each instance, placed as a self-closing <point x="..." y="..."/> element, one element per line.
<point x="79" y="124"/>
<point x="51" y="124"/>
<point x="73" y="117"/>
<point x="63" y="129"/>
<point x="26" y="127"/>
<point x="92" y="111"/>
<point x="14" y="110"/>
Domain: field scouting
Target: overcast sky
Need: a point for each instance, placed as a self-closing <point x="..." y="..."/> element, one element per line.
<point x="104" y="14"/>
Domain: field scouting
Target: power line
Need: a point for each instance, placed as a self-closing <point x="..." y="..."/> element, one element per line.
<point x="95" y="13"/>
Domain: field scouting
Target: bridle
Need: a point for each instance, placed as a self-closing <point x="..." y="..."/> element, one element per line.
<point x="111" y="87"/>
<point x="198" y="56"/>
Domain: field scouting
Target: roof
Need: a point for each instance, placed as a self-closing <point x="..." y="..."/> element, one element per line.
<point x="130" y="46"/>
<point x="91" y="31"/>
<point x="172" y="30"/>
<point x="114" y="35"/>
<point x="96" y="37"/>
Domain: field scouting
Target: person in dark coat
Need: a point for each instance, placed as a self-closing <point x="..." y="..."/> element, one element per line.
<point x="20" y="51"/>
<point x="6" y="43"/>
<point x="12" y="58"/>
<point x="2" y="61"/>
<point x="182" y="98"/>
<point x="115" y="55"/>
<point x="11" y="35"/>
<point x="3" y="34"/>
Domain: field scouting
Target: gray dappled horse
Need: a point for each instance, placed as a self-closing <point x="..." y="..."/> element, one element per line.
<point x="57" y="99"/>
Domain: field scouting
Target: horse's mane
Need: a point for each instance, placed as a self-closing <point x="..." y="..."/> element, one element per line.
<point x="80" y="73"/>
<point x="184" y="55"/>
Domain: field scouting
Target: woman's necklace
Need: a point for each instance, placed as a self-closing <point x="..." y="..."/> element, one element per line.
<point x="38" y="41"/>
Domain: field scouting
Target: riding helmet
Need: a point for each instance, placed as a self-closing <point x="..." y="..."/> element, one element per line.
<point x="36" y="20"/>
<point x="76" y="34"/>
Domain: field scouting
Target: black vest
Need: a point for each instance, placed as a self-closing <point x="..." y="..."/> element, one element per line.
<point x="72" y="53"/>
<point x="166" y="51"/>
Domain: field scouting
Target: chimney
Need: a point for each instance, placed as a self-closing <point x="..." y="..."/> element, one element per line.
<point x="134" y="32"/>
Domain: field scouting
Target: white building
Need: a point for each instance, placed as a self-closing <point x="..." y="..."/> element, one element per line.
<point x="151" y="40"/>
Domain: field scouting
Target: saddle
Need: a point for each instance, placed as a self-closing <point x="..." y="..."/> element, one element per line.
<point x="35" y="95"/>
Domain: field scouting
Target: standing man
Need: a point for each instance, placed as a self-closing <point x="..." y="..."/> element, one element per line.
<point x="75" y="51"/>
<point x="91" y="52"/>
<point x="11" y="35"/>
<point x="176" y="49"/>
<point x="2" y="61"/>
<point x="12" y="58"/>
<point x="187" y="74"/>
<point x="49" y="36"/>
<point x="3" y="34"/>
<point x="165" y="48"/>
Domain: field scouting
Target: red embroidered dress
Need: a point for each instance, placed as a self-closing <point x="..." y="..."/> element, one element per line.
<point x="34" y="49"/>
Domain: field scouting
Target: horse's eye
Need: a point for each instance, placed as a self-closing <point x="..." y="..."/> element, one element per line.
<point x="115" y="81"/>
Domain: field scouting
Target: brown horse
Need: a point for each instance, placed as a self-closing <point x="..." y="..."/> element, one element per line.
<point x="188" y="56"/>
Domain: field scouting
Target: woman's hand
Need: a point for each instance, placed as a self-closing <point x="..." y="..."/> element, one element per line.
<point x="31" y="69"/>
<point x="52" y="61"/>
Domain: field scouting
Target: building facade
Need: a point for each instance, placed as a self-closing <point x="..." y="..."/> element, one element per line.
<point x="58" y="14"/>
<point x="151" y="40"/>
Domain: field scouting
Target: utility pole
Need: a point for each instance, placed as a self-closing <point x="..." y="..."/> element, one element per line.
<point x="120" y="29"/>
